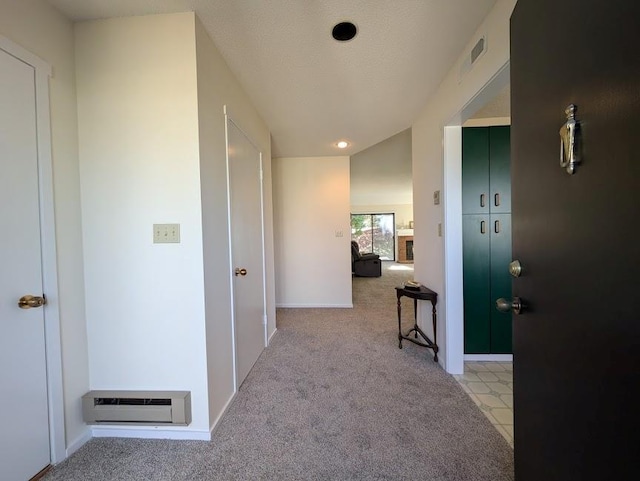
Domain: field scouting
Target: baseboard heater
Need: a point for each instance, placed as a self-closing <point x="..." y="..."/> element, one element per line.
<point x="137" y="407"/>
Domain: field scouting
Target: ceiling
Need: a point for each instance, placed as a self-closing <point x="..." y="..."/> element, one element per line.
<point x="311" y="90"/>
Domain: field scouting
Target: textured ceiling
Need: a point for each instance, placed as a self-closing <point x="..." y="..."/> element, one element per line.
<point x="310" y="89"/>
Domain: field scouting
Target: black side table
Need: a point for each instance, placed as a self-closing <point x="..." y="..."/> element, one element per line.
<point x="423" y="294"/>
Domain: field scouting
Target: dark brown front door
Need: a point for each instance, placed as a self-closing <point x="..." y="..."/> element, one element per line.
<point x="577" y="341"/>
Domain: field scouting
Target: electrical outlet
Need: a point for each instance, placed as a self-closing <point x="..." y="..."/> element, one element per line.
<point x="166" y="233"/>
<point x="439" y="230"/>
<point x="339" y="233"/>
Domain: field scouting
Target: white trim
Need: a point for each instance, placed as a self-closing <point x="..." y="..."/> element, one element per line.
<point x="265" y="316"/>
<point x="314" y="306"/>
<point x="51" y="311"/>
<point x="453" y="331"/>
<point x="272" y="334"/>
<point x="454" y="324"/>
<point x="42" y="67"/>
<point x="231" y="293"/>
<point x="79" y="442"/>
<point x="216" y="422"/>
<point x="149" y="433"/>
<point x="489" y="357"/>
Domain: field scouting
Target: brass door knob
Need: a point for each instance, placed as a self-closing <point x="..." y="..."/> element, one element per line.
<point x="29" y="301"/>
<point x="515" y="268"/>
<point x="241" y="271"/>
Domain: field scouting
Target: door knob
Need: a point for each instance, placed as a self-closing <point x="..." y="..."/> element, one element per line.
<point x="515" y="305"/>
<point x="515" y="268"/>
<point x="29" y="301"/>
<point x="241" y="271"/>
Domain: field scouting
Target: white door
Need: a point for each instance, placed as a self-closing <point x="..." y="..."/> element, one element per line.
<point x="24" y="421"/>
<point x="245" y="187"/>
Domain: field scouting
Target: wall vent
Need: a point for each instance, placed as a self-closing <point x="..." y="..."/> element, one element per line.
<point x="137" y="407"/>
<point x="477" y="51"/>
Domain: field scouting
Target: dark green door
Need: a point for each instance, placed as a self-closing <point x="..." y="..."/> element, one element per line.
<point x="476" y="281"/>
<point x="475" y="171"/>
<point x="486" y="206"/>
<point x="499" y="169"/>
<point x="501" y="330"/>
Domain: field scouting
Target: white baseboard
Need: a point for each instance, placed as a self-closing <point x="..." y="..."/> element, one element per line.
<point x="79" y="442"/>
<point x="216" y="422"/>
<point x="150" y="432"/>
<point x="315" y="306"/>
<point x="271" y="336"/>
<point x="489" y="357"/>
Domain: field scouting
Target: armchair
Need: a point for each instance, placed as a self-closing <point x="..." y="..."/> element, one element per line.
<point x="364" y="265"/>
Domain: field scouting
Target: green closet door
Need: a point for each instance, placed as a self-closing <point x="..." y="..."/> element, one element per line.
<point x="501" y="329"/>
<point x="476" y="274"/>
<point x="475" y="170"/>
<point x="500" y="169"/>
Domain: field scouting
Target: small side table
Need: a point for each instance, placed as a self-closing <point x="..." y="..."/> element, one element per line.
<point x="423" y="294"/>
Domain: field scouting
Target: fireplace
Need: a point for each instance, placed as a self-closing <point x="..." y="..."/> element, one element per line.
<point x="409" y="245"/>
<point x="405" y="249"/>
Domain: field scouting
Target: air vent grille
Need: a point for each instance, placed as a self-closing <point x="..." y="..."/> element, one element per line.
<point x="477" y="50"/>
<point x="114" y="401"/>
<point x="137" y="407"/>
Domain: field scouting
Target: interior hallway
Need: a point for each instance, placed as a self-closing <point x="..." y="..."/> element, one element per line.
<point x="332" y="398"/>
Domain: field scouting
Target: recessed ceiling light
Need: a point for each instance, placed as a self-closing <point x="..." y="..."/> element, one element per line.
<point x="343" y="144"/>
<point x="344" y="31"/>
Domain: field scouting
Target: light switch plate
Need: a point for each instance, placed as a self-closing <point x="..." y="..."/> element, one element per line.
<point x="436" y="197"/>
<point x="166" y="233"/>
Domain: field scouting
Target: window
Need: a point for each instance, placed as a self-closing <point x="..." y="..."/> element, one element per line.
<point x="375" y="233"/>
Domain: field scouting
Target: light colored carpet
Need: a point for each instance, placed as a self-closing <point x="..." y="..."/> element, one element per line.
<point x="332" y="398"/>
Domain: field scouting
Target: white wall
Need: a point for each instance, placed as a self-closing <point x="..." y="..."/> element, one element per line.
<point x="139" y="151"/>
<point x="218" y="87"/>
<point x="311" y="203"/>
<point x="381" y="174"/>
<point x="42" y="30"/>
<point x="448" y="106"/>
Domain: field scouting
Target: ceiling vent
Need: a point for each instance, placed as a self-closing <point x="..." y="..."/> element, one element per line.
<point x="472" y="57"/>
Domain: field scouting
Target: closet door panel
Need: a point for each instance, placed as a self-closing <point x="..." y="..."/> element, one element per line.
<point x="499" y="169"/>
<point x="475" y="170"/>
<point x="476" y="275"/>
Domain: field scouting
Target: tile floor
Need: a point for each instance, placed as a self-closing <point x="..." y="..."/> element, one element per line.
<point x="490" y="385"/>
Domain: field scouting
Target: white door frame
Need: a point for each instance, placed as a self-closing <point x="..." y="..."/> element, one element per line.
<point x="452" y="145"/>
<point x="228" y="118"/>
<point x="48" y="242"/>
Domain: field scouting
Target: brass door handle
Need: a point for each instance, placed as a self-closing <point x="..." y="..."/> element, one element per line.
<point x="29" y="301"/>
<point x="241" y="272"/>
